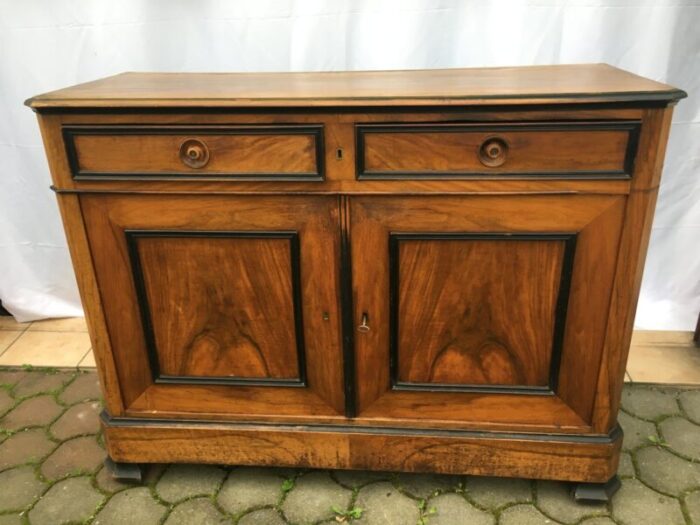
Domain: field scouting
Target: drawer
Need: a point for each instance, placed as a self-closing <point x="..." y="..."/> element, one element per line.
<point x="460" y="150"/>
<point x="284" y="152"/>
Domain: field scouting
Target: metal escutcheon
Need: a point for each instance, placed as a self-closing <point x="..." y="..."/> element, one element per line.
<point x="364" y="327"/>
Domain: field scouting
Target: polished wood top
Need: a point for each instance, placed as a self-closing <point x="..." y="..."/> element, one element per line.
<point x="441" y="87"/>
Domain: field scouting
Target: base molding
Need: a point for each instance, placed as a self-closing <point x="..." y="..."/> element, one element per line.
<point x="580" y="458"/>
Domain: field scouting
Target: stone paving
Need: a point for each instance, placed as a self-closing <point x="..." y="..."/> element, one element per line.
<point x="51" y="473"/>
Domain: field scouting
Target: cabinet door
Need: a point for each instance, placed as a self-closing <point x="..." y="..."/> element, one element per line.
<point x="482" y="311"/>
<point x="220" y="305"/>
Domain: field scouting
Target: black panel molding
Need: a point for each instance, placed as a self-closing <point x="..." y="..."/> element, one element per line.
<point x="348" y="324"/>
<point x="600" y="439"/>
<point x="315" y="130"/>
<point x="632" y="127"/>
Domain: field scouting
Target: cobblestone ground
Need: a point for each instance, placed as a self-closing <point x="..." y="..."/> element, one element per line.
<point x="51" y="455"/>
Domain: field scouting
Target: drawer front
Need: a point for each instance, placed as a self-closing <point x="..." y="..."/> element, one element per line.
<point x="453" y="151"/>
<point x="286" y="152"/>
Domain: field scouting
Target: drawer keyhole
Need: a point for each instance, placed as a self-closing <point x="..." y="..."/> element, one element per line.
<point x="339" y="154"/>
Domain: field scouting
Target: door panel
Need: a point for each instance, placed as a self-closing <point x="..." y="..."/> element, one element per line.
<point x="221" y="305"/>
<point x="460" y="296"/>
<point x="474" y="299"/>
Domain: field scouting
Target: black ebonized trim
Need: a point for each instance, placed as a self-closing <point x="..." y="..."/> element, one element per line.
<point x="594" y="439"/>
<point x="465" y="108"/>
<point x="631" y="126"/>
<point x="315" y="130"/>
<point x="347" y="309"/>
<point x="569" y="240"/>
<point x="132" y="237"/>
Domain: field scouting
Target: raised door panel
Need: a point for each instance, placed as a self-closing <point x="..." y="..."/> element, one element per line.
<point x="482" y="310"/>
<point x="477" y="309"/>
<point x="221" y="306"/>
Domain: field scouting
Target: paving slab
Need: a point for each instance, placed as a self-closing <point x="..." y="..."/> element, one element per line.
<point x="690" y="401"/>
<point x="635" y="504"/>
<point x="6" y="401"/>
<point x="357" y="478"/>
<point x="108" y="483"/>
<point x="650" y="402"/>
<point x="11" y="377"/>
<point x="72" y="500"/>
<point x="383" y="504"/>
<point x="666" y="472"/>
<point x="20" y="487"/>
<point x="313" y="498"/>
<point x="682" y="436"/>
<point x="692" y="504"/>
<point x="523" y="515"/>
<point x="247" y="488"/>
<point x="79" y="455"/>
<point x="32" y="412"/>
<point x="636" y="431"/>
<point x="196" y="511"/>
<point x="453" y="509"/>
<point x="27" y="446"/>
<point x="554" y="499"/>
<point x="426" y="485"/>
<point x="10" y="519"/>
<point x="626" y="467"/>
<point x="186" y="481"/>
<point x="32" y="384"/>
<point x="493" y="493"/>
<point x="80" y="419"/>
<point x="85" y="387"/>
<point x="262" y="517"/>
<point x="131" y="507"/>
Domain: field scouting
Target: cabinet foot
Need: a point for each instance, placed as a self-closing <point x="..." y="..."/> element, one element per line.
<point x="124" y="471"/>
<point x="596" y="492"/>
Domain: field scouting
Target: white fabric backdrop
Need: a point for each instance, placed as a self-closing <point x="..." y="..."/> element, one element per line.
<point x="49" y="44"/>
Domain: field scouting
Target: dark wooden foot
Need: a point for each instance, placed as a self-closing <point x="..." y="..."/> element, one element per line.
<point x="124" y="471"/>
<point x="596" y="492"/>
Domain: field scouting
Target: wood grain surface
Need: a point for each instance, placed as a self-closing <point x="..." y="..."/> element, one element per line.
<point x="556" y="458"/>
<point x="458" y="302"/>
<point x="452" y="150"/>
<point x="221" y="306"/>
<point x="315" y="219"/>
<point x="374" y="219"/>
<point x="140" y="152"/>
<point x="501" y="85"/>
<point x="468" y="361"/>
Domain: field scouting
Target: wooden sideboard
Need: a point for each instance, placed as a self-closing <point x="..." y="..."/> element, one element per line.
<point x="411" y="271"/>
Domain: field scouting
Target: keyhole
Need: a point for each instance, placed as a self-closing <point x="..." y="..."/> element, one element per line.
<point x="339" y="154"/>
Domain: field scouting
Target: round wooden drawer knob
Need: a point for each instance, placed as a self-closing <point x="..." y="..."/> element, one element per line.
<point x="493" y="152"/>
<point x="194" y="153"/>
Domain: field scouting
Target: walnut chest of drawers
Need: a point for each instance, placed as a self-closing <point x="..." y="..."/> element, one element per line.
<point x="412" y="271"/>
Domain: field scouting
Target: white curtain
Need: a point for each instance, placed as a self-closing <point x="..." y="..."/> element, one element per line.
<point x="49" y="44"/>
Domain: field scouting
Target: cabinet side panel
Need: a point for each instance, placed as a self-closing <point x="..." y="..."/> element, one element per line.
<point x="634" y="241"/>
<point x="79" y="247"/>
